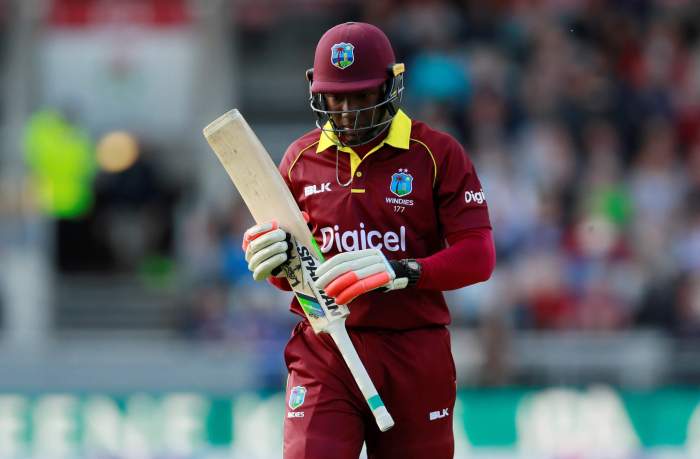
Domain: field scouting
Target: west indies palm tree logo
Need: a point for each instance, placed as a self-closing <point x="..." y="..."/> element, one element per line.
<point x="342" y="55"/>
<point x="401" y="183"/>
<point x="297" y="396"/>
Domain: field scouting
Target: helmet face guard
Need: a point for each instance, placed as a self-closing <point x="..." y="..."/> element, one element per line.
<point x="381" y="114"/>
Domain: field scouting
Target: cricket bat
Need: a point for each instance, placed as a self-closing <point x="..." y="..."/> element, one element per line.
<point x="266" y="194"/>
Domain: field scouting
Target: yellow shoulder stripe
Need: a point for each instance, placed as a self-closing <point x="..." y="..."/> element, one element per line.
<point x="301" y="152"/>
<point x="432" y="156"/>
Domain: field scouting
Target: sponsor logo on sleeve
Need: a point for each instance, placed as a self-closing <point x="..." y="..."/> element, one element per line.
<point x="477" y="197"/>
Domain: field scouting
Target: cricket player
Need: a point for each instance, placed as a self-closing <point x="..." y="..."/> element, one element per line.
<point x="398" y="210"/>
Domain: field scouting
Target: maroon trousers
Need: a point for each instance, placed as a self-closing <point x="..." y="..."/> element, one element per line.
<point x="327" y="417"/>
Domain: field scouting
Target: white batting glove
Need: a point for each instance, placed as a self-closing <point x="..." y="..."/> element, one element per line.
<point x="267" y="249"/>
<point x="350" y="274"/>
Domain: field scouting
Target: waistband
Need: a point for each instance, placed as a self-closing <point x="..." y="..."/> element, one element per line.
<point x="304" y="324"/>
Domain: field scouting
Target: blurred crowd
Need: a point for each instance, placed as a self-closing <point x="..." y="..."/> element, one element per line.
<point x="583" y="120"/>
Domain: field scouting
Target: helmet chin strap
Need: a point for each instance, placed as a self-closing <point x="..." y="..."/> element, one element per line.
<point x="337" y="173"/>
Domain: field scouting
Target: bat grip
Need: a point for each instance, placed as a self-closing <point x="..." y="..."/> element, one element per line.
<point x="340" y="335"/>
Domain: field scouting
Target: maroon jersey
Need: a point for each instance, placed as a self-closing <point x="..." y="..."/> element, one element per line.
<point x="407" y="194"/>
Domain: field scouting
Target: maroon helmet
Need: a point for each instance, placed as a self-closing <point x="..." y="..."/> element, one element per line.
<point x="353" y="57"/>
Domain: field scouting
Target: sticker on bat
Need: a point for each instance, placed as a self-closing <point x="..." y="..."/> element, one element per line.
<point x="310" y="264"/>
<point x="310" y="306"/>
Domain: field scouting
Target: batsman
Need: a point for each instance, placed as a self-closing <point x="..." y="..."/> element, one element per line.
<point x="400" y="214"/>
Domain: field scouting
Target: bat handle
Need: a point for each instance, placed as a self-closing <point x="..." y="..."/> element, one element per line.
<point x="340" y="335"/>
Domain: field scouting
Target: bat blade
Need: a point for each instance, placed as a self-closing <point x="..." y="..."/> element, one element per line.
<point x="266" y="195"/>
<point x="250" y="167"/>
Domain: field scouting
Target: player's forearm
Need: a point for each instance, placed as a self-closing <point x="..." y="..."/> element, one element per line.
<point x="470" y="259"/>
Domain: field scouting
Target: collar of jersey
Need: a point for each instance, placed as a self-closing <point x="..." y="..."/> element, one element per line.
<point x="399" y="135"/>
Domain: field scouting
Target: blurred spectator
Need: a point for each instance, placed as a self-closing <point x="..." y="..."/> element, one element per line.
<point x="688" y="304"/>
<point x="129" y="224"/>
<point x="657" y="188"/>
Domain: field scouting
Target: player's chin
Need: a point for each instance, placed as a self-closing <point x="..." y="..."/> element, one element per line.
<point x="353" y="137"/>
<point x="348" y="137"/>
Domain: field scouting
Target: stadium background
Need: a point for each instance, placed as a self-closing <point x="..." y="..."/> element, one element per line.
<point x="130" y="327"/>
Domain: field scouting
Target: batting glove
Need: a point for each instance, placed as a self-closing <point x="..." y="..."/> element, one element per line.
<point x="267" y="248"/>
<point x="350" y="274"/>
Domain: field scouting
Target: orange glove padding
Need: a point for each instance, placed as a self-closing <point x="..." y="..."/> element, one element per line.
<point x="348" y="275"/>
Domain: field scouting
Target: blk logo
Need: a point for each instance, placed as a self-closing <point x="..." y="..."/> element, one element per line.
<point x="435" y="415"/>
<point x="316" y="189"/>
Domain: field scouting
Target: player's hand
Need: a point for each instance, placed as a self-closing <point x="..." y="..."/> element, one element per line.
<point x="350" y="274"/>
<point x="267" y="248"/>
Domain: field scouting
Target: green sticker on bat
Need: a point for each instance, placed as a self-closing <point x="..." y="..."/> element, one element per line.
<point x="310" y="305"/>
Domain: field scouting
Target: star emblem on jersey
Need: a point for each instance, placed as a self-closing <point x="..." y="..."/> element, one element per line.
<point x="296" y="397"/>
<point x="401" y="183"/>
<point x="342" y="55"/>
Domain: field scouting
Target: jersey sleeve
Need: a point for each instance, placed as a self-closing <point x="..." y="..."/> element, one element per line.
<point x="446" y="269"/>
<point x="461" y="201"/>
